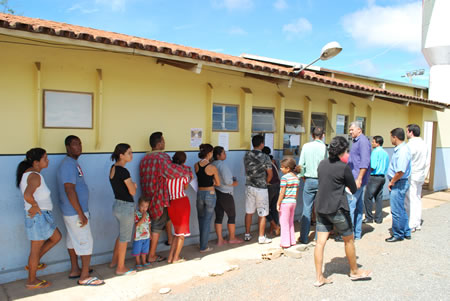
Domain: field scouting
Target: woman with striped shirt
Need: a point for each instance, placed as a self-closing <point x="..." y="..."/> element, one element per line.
<point x="179" y="210"/>
<point x="287" y="201"/>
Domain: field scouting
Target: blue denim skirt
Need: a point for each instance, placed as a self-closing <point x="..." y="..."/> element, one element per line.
<point x="40" y="226"/>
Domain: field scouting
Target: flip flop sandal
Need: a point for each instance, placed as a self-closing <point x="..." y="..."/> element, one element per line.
<point x="130" y="272"/>
<point x="42" y="284"/>
<point x="179" y="261"/>
<point x="41" y="266"/>
<point x="361" y="277"/>
<point x="147" y="265"/>
<point x="139" y="267"/>
<point x="90" y="281"/>
<point x="78" y="276"/>
<point x="319" y="284"/>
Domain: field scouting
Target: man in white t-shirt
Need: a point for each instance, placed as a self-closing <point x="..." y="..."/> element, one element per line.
<point x="419" y="170"/>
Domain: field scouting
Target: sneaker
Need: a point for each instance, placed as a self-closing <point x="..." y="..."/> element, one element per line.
<point x="264" y="240"/>
<point x="247" y="236"/>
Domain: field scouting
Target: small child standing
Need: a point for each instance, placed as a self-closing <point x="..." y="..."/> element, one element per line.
<point x="141" y="243"/>
<point x="287" y="201"/>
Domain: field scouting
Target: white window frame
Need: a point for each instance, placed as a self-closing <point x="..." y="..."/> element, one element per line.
<point x="223" y="129"/>
<point x="273" y="120"/>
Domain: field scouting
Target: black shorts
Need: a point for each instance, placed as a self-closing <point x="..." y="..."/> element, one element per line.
<point x="340" y="220"/>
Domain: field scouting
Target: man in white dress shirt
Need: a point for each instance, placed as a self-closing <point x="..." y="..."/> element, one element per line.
<point x="419" y="170"/>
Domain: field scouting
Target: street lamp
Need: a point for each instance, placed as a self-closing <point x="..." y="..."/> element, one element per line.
<point x="329" y="51"/>
<point x="414" y="73"/>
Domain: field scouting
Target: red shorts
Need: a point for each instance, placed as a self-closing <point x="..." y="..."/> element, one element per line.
<point x="179" y="213"/>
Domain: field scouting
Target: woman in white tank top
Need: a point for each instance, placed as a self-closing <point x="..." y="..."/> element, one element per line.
<point x="39" y="222"/>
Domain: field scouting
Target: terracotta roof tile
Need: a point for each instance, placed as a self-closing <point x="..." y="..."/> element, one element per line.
<point x="105" y="37"/>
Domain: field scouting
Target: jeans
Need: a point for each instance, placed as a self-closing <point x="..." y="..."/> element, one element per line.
<point x="206" y="202"/>
<point x="400" y="227"/>
<point x="355" y="202"/>
<point x="309" y="194"/>
<point x="374" y="193"/>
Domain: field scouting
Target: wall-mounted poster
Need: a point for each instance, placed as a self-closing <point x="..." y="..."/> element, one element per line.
<point x="196" y="137"/>
<point x="63" y="109"/>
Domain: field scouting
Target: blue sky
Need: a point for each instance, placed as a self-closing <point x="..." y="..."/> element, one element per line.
<point x="380" y="38"/>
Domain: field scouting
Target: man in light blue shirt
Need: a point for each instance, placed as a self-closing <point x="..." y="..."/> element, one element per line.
<point x="73" y="197"/>
<point x="398" y="174"/>
<point x="379" y="163"/>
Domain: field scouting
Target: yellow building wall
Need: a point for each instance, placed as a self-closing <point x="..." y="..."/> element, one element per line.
<point x="140" y="96"/>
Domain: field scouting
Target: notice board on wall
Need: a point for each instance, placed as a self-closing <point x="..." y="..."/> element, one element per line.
<point x="65" y="109"/>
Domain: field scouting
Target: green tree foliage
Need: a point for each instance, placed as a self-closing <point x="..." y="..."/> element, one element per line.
<point x="5" y="8"/>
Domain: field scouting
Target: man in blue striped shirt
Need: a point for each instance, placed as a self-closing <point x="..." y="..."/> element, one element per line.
<point x="379" y="163"/>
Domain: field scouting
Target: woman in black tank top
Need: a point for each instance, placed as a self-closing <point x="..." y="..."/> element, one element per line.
<point x="207" y="177"/>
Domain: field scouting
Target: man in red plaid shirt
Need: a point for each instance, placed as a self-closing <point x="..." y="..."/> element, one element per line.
<point x="155" y="168"/>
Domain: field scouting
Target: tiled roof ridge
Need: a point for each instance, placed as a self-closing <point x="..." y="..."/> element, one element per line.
<point x="112" y="38"/>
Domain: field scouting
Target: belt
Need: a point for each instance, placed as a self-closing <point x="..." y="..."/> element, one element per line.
<point x="377" y="176"/>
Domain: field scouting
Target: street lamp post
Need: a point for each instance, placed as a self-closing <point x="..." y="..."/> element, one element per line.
<point x="329" y="51"/>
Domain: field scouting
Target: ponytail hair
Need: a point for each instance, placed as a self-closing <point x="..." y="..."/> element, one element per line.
<point x="337" y="147"/>
<point x="205" y="149"/>
<point x="179" y="158"/>
<point x="34" y="154"/>
<point x="290" y="163"/>
<point x="218" y="150"/>
<point x="120" y="149"/>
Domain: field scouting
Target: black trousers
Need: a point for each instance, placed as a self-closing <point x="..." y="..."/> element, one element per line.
<point x="274" y="192"/>
<point x="374" y="194"/>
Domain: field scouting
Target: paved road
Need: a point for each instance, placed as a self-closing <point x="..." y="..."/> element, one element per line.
<point x="418" y="269"/>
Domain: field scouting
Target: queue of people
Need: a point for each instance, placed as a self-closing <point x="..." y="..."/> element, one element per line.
<point x="338" y="190"/>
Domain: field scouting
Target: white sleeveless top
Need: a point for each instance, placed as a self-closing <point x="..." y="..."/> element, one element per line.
<point x="41" y="194"/>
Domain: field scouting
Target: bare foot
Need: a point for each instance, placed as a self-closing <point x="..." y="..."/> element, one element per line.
<point x="112" y="265"/>
<point x="235" y="241"/>
<point x="221" y="242"/>
<point x="322" y="281"/>
<point x="75" y="273"/>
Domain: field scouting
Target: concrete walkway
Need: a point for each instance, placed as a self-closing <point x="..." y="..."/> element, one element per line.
<point x="197" y="269"/>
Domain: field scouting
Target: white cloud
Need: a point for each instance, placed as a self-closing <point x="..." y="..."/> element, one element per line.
<point x="233" y="4"/>
<point x="297" y="28"/>
<point x="115" y="5"/>
<point x="280" y="4"/>
<point x="235" y="30"/>
<point x="366" y="67"/>
<point x="82" y="9"/>
<point x="389" y="26"/>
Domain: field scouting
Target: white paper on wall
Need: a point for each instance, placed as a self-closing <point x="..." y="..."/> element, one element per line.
<point x="294" y="140"/>
<point x="196" y="137"/>
<point x="223" y="140"/>
<point x="268" y="141"/>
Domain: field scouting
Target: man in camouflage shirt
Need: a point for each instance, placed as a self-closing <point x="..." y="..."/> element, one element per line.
<point x="258" y="172"/>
